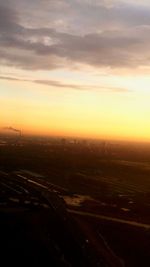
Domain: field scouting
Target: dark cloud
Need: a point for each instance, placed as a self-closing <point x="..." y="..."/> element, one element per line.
<point x="59" y="84"/>
<point x="47" y="48"/>
<point x="81" y="14"/>
<point x="119" y="15"/>
<point x="9" y="21"/>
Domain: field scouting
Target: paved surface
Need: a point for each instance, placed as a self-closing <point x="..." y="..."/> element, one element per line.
<point x="111" y="219"/>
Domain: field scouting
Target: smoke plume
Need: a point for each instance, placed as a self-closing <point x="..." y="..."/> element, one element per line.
<point x="12" y="129"/>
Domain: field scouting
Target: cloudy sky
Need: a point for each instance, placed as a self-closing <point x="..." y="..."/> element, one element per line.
<point x="76" y="67"/>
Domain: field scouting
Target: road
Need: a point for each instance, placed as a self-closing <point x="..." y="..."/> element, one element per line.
<point x="111" y="219"/>
<point x="45" y="185"/>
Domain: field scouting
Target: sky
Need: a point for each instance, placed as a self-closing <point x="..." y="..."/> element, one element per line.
<point x="76" y="68"/>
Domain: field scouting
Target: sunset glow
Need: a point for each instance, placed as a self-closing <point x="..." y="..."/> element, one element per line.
<point x="76" y="68"/>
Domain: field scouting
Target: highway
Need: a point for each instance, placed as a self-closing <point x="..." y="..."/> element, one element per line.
<point x="111" y="219"/>
<point x="45" y="185"/>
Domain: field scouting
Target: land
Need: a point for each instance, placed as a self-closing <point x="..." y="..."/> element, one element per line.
<point x="103" y="186"/>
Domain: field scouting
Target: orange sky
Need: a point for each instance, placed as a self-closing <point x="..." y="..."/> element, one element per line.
<point x="40" y="109"/>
